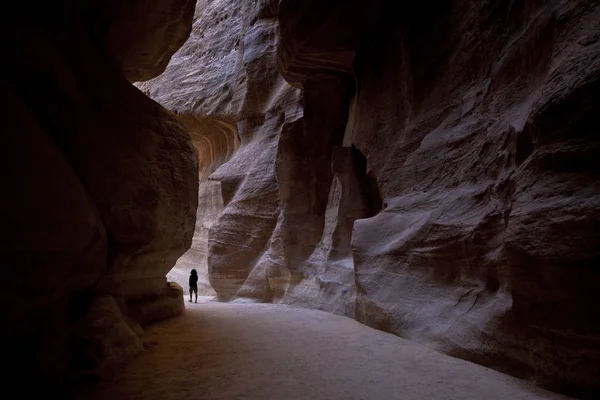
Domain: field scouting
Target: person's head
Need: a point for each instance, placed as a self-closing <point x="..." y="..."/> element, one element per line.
<point x="194" y="272"/>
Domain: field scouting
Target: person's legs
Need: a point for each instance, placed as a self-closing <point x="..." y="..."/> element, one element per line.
<point x="195" y="293"/>
<point x="191" y="294"/>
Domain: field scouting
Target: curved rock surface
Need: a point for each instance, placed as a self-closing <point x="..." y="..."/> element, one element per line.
<point x="210" y="207"/>
<point x="477" y="120"/>
<point x="436" y="177"/>
<point x="225" y="80"/>
<point x="141" y="35"/>
<point x="102" y="185"/>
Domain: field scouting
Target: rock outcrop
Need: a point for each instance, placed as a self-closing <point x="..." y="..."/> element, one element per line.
<point x="429" y="171"/>
<point x="101" y="183"/>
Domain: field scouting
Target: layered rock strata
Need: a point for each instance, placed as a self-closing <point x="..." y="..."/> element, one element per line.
<point x="225" y="80"/>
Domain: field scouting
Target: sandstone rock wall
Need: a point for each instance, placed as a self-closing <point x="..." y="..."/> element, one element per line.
<point x="477" y="120"/>
<point x="436" y="177"/>
<point x="226" y="77"/>
<point x="210" y="207"/>
<point x="100" y="183"/>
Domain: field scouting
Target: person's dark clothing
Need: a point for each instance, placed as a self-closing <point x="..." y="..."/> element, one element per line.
<point x="193" y="280"/>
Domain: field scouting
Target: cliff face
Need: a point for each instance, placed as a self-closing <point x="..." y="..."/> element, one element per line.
<point x="102" y="184"/>
<point x="226" y="73"/>
<point x="478" y="121"/>
<point x="435" y="177"/>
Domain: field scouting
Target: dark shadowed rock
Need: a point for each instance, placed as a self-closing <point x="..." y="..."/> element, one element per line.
<point x="101" y="184"/>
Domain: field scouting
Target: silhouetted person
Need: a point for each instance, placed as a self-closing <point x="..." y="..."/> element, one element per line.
<point x="194" y="284"/>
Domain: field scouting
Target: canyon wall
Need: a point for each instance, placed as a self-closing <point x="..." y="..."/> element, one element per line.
<point x="101" y="184"/>
<point x="429" y="171"/>
<point x="210" y="207"/>
<point x="226" y="73"/>
<point x="478" y="121"/>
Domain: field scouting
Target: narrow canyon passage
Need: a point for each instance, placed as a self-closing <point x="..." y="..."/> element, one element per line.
<point x="402" y="175"/>
<point x="265" y="351"/>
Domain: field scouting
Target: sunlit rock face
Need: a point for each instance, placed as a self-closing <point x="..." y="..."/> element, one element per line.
<point x="429" y="171"/>
<point x="210" y="207"/>
<point x="101" y="185"/>
<point x="225" y="85"/>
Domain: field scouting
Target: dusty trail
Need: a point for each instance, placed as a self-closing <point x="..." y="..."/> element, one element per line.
<point x="256" y="351"/>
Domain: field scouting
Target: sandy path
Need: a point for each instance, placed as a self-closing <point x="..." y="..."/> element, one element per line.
<point x="255" y="351"/>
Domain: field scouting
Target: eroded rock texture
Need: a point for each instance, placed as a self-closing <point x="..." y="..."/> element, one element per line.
<point x="225" y="79"/>
<point x="100" y="182"/>
<point x="210" y="206"/>
<point x="479" y="124"/>
<point x="436" y="177"/>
